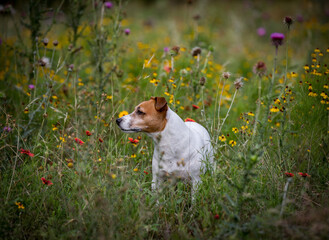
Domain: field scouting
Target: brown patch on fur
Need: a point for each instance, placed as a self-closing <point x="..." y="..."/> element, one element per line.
<point x="151" y="119"/>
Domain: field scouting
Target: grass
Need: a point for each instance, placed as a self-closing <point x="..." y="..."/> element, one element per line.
<point x="99" y="186"/>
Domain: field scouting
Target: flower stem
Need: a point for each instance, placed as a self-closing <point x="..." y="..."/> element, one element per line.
<point x="227" y="114"/>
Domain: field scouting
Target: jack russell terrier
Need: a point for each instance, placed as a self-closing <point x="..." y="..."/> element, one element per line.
<point x="182" y="149"/>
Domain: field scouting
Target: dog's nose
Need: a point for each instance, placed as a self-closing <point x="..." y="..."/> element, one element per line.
<point x="119" y="120"/>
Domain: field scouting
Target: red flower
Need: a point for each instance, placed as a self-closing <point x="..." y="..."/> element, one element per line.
<point x="146" y="172"/>
<point x="289" y="174"/>
<point x="133" y="141"/>
<point x="195" y="106"/>
<point x="88" y="133"/>
<point x="27" y="152"/>
<point x="101" y="140"/>
<point x="303" y="174"/>
<point x="47" y="182"/>
<point x="189" y="120"/>
<point x="79" y="141"/>
<point x="216" y="216"/>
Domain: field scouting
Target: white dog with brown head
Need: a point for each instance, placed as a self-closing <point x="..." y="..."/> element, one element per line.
<point x="181" y="150"/>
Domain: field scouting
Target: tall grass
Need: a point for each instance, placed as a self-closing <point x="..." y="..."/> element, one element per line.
<point x="58" y="109"/>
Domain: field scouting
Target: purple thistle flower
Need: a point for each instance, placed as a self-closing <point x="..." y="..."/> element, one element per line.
<point x="261" y="31"/>
<point x="127" y="31"/>
<point x="166" y="49"/>
<point x="277" y="39"/>
<point x="7" y="129"/>
<point x="108" y="5"/>
<point x="31" y="86"/>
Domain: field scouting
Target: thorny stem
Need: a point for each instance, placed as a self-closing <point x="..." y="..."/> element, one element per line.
<point x="227" y="114"/>
<point x="258" y="107"/>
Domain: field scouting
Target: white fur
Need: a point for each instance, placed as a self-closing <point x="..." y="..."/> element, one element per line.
<point x="180" y="142"/>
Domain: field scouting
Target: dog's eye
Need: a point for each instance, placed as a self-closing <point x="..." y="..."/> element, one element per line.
<point x="139" y="112"/>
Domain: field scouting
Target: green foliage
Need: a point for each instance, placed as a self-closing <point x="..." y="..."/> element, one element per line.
<point x="66" y="171"/>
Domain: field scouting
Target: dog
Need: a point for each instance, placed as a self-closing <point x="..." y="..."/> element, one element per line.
<point x="182" y="149"/>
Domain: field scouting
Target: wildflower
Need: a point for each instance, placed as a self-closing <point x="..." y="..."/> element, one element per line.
<point x="55" y="43"/>
<point x="108" y="5"/>
<point x="27" y="152"/>
<point x="47" y="182"/>
<point x="274" y="109"/>
<point x="31" y="86"/>
<point x="288" y="21"/>
<point x="226" y="75"/>
<point x="304" y="175"/>
<point x="127" y="31"/>
<point x="235" y="130"/>
<point x="88" y="133"/>
<point x="232" y="143"/>
<point x="174" y="51"/>
<point x="189" y="120"/>
<point x="251" y="114"/>
<point x="123" y="113"/>
<point x="259" y="68"/>
<point x="133" y="155"/>
<point x="71" y="67"/>
<point x="100" y="140"/>
<point x="19" y="205"/>
<point x="166" y="49"/>
<point x="289" y="174"/>
<point x="238" y="83"/>
<point x="202" y="81"/>
<point x="70" y="165"/>
<point x="135" y="169"/>
<point x="216" y="216"/>
<point x="277" y="39"/>
<point x="133" y="141"/>
<point x="196" y="51"/>
<point x="261" y="31"/>
<point x="146" y="172"/>
<point x="113" y="176"/>
<point x="195" y="106"/>
<point x="222" y="138"/>
<point x="7" y="129"/>
<point x="45" y="41"/>
<point x="79" y="141"/>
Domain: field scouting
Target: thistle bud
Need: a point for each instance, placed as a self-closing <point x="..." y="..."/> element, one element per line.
<point x="196" y="51"/>
<point x="55" y="43"/>
<point x="174" y="51"/>
<point x="202" y="81"/>
<point x="45" y="41"/>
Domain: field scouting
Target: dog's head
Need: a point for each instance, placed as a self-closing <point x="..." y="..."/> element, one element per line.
<point x="149" y="116"/>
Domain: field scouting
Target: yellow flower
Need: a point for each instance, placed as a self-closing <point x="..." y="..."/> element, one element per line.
<point x="135" y="169"/>
<point x="113" y="176"/>
<point x="109" y="97"/>
<point x="222" y="138"/>
<point x="123" y="113"/>
<point x="232" y="143"/>
<point x="251" y="114"/>
<point x="133" y="155"/>
<point x="274" y="109"/>
<point x="70" y="165"/>
<point x="235" y="130"/>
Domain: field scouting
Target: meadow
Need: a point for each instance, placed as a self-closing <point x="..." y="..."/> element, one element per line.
<point x="253" y="73"/>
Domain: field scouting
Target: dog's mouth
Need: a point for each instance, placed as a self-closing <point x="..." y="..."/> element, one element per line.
<point x="131" y="130"/>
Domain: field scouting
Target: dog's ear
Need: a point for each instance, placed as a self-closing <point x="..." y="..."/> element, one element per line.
<point x="160" y="104"/>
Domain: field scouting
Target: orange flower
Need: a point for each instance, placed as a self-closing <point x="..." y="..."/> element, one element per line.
<point x="195" y="106"/>
<point x="289" y="174"/>
<point x="189" y="120"/>
<point x="304" y="175"/>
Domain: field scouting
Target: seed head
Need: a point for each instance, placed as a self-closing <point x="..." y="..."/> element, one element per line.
<point x="226" y="75"/>
<point x="45" y="41"/>
<point x="196" y="51"/>
<point x="238" y="83"/>
<point x="288" y="20"/>
<point x="55" y="43"/>
<point x="71" y="67"/>
<point x="260" y="68"/>
<point x="202" y="81"/>
<point x="174" y="51"/>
